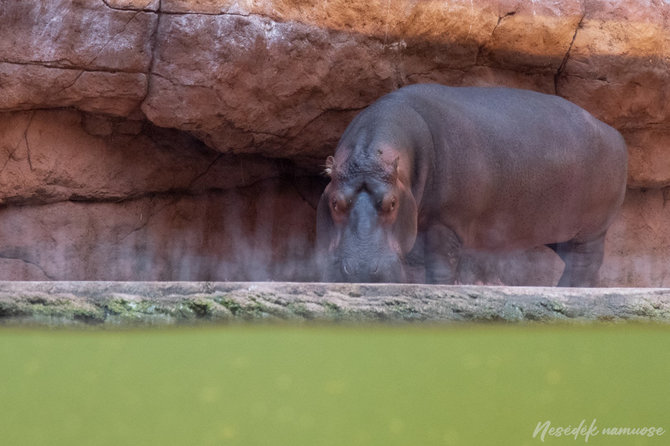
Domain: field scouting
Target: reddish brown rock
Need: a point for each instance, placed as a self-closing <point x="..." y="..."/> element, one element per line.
<point x="261" y="232"/>
<point x="617" y="65"/>
<point x="259" y="88"/>
<point x="649" y="157"/>
<point x="49" y="156"/>
<point x="82" y="54"/>
<point x="134" y="5"/>
<point x="147" y="139"/>
<point x="638" y="243"/>
<point x="288" y="76"/>
<point x="532" y="36"/>
<point x="26" y="87"/>
<point x="86" y="35"/>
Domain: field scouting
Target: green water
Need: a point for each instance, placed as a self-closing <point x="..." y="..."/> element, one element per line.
<point x="275" y="385"/>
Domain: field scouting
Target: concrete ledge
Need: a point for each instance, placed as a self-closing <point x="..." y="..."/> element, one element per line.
<point x="167" y="303"/>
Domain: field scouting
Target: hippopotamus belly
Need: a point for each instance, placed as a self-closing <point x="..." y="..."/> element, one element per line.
<point x="430" y="170"/>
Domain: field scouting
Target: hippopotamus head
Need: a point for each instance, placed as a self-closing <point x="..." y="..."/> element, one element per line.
<point x="366" y="219"/>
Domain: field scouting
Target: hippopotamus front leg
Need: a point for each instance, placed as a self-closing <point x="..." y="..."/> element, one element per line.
<point x="442" y="254"/>
<point x="582" y="261"/>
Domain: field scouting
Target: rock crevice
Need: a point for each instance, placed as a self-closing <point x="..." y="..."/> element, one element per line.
<point x="561" y="67"/>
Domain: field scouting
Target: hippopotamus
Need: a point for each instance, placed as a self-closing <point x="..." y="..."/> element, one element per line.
<point x="428" y="170"/>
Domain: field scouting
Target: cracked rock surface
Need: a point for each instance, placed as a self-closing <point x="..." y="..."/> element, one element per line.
<point x="283" y="78"/>
<point x="144" y="116"/>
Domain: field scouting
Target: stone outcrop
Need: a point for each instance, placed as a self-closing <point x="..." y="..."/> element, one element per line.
<point x="132" y="130"/>
<point x="115" y="304"/>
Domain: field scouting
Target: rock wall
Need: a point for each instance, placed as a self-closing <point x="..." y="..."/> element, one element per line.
<point x="182" y="139"/>
<point x="88" y="196"/>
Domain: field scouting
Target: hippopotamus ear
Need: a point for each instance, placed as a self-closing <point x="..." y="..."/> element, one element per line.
<point x="330" y="162"/>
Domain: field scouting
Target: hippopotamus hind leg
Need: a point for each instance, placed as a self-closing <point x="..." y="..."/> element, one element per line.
<point x="582" y="261"/>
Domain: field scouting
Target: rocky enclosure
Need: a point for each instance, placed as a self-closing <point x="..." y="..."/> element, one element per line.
<point x="183" y="139"/>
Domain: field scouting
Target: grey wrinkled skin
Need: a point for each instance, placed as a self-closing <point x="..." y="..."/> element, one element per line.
<point x="428" y="170"/>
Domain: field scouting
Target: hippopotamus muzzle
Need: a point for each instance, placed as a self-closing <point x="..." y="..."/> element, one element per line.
<point x="368" y="267"/>
<point x="366" y="225"/>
